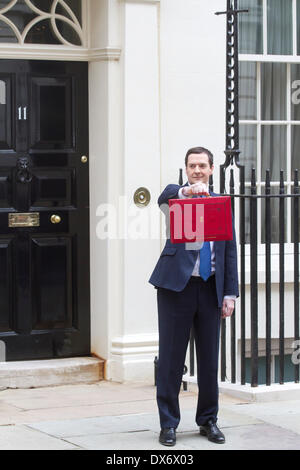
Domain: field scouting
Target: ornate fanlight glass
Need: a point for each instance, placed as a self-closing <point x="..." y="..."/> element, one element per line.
<point x="41" y="22"/>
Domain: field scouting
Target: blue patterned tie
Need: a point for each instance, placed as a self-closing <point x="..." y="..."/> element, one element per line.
<point x="205" y="261"/>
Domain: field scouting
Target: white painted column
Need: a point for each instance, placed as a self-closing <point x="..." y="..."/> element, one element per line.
<point x="124" y="155"/>
<point x="135" y="346"/>
<point x="106" y="140"/>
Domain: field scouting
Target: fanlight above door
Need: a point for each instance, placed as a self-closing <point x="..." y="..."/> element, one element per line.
<point x="41" y="22"/>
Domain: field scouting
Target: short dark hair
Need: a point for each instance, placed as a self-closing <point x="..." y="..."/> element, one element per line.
<point x="200" y="150"/>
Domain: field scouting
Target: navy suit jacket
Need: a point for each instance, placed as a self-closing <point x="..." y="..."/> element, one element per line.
<point x="175" y="265"/>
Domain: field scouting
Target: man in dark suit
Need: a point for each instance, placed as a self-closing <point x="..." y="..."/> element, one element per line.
<point x="195" y="287"/>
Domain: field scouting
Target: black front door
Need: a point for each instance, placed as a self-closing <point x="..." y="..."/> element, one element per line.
<point x="44" y="209"/>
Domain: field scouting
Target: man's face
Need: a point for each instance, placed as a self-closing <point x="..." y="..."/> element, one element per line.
<point x="198" y="169"/>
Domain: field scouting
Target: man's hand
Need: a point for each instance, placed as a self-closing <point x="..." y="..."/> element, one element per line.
<point x="227" y="308"/>
<point x="194" y="189"/>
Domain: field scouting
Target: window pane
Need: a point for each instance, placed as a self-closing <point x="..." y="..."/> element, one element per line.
<point x="289" y="368"/>
<point x="295" y="150"/>
<point x="247" y="225"/>
<point x="76" y="7"/>
<point x="274" y="210"/>
<point x="295" y="165"/>
<point x="4" y="3"/>
<point x="6" y="121"/>
<point x="251" y="27"/>
<point x="273" y="91"/>
<point x="295" y="92"/>
<point x="44" y="5"/>
<point x="42" y="32"/>
<point x="248" y="146"/>
<point x="273" y="148"/>
<point x="247" y="90"/>
<point x="3" y="111"/>
<point x="6" y="33"/>
<point x="68" y="33"/>
<point x="20" y="14"/>
<point x="261" y="379"/>
<point x="280" y="27"/>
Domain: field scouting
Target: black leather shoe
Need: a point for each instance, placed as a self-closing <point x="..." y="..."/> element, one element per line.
<point x="212" y="432"/>
<point x="167" y="437"/>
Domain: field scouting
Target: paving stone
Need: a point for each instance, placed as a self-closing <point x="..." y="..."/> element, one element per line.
<point x="261" y="437"/>
<point x="226" y="418"/>
<point x="22" y="438"/>
<point x="145" y="440"/>
<point x="285" y="415"/>
<point x="103" y="425"/>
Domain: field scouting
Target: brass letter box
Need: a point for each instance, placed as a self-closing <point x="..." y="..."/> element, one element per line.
<point x="26" y="219"/>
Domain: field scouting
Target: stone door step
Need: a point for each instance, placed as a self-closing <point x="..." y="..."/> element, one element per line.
<point x="50" y="372"/>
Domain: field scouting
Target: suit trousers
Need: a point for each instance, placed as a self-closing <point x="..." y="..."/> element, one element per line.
<point x="195" y="306"/>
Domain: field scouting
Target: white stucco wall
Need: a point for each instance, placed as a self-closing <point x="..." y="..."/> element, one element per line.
<point x="193" y="60"/>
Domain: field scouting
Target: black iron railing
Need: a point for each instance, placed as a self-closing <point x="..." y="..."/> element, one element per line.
<point x="232" y="150"/>
<point x="265" y="201"/>
<point x="250" y="308"/>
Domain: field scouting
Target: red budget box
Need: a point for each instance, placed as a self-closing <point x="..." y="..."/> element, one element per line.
<point x="200" y="219"/>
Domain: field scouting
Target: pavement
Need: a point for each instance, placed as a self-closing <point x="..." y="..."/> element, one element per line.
<point x="112" y="416"/>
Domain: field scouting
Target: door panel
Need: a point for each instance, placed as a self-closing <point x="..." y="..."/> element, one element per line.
<point x="44" y="210"/>
<point x="6" y="285"/>
<point x="52" y="287"/>
<point x="53" y="188"/>
<point x="51" y="113"/>
<point x="6" y="187"/>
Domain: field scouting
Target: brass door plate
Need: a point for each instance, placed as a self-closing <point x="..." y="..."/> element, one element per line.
<point x="24" y="219"/>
